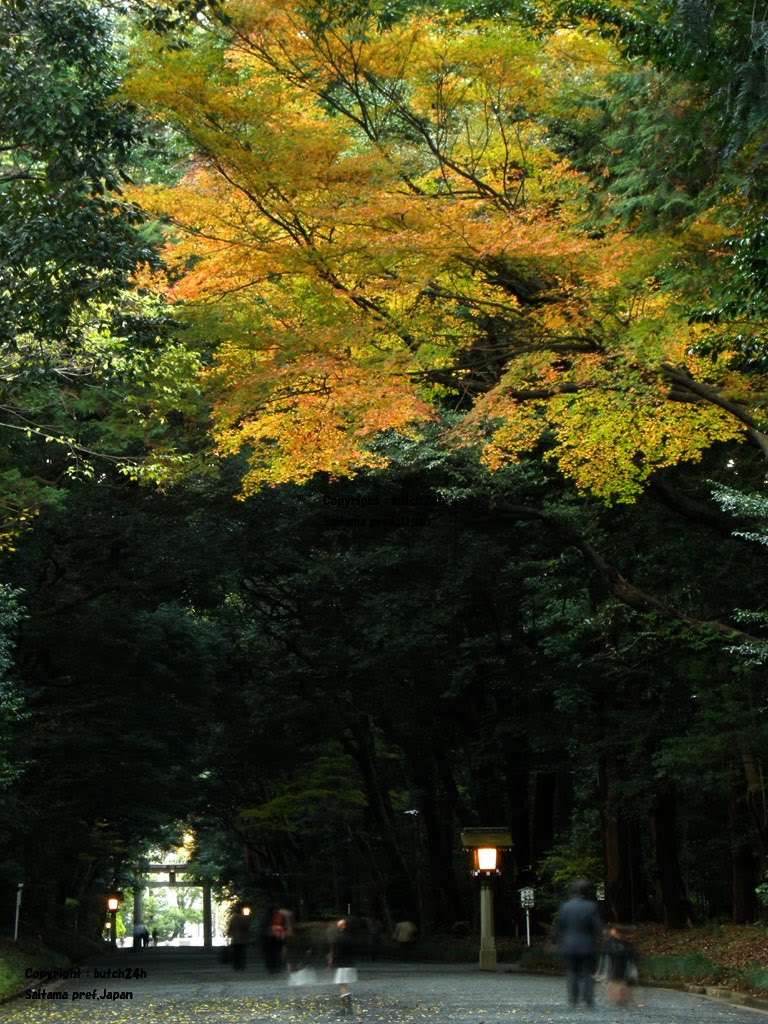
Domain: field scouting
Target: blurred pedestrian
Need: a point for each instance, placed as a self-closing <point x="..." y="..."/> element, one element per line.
<point x="237" y="931"/>
<point x="621" y="969"/>
<point x="342" y="957"/>
<point x="405" y="936"/>
<point x="274" y="934"/>
<point x="288" y="923"/>
<point x="578" y="930"/>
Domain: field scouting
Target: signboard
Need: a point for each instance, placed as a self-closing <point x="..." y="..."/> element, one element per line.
<point x="527" y="897"/>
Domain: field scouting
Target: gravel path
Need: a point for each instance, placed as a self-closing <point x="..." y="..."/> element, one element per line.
<point x="191" y="987"/>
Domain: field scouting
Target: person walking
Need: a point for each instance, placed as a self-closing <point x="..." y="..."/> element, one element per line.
<point x="274" y="933"/>
<point x="341" y="956"/>
<point x="289" y="922"/>
<point x="578" y="929"/>
<point x="405" y="936"/>
<point x="621" y="968"/>
<point x="237" y="930"/>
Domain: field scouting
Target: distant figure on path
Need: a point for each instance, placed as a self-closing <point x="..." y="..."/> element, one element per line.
<point x="578" y="929"/>
<point x="288" y="922"/>
<point x="237" y="930"/>
<point x="140" y="936"/>
<point x="621" y="970"/>
<point x="405" y="935"/>
<point x="342" y="957"/>
<point x="274" y="935"/>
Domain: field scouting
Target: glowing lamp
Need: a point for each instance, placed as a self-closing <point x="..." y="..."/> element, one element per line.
<point x="112" y="902"/>
<point x="486" y="858"/>
<point x="485" y="845"/>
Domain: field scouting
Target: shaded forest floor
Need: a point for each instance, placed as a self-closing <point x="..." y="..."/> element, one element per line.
<point x="733" y="946"/>
<point x="735" y="956"/>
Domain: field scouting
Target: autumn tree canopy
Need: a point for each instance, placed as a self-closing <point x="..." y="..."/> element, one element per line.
<point x="389" y="221"/>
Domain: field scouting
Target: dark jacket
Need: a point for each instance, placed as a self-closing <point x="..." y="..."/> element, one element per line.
<point x="578" y="927"/>
<point x="238" y="929"/>
<point x="343" y="946"/>
<point x="620" y="955"/>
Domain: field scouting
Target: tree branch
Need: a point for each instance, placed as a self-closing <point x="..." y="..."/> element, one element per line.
<point x="611" y="578"/>
<point x="710" y="394"/>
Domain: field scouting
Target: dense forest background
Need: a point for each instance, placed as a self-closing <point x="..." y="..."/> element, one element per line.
<point x="383" y="399"/>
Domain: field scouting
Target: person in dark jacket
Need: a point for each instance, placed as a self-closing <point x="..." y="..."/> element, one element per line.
<point x="237" y="930"/>
<point x="274" y="934"/>
<point x="578" y="929"/>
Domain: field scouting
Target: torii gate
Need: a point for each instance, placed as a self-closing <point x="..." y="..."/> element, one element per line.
<point x="172" y="870"/>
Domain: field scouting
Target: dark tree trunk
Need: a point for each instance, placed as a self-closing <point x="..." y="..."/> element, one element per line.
<point x="401" y="891"/>
<point x="670" y="887"/>
<point x="436" y="823"/>
<point x="563" y="802"/>
<point x="755" y="797"/>
<point x="620" y="848"/>
<point x="744" y="861"/>
<point x="743" y="865"/>
<point x="518" y="816"/>
<point x="544" y="805"/>
<point x="520" y="858"/>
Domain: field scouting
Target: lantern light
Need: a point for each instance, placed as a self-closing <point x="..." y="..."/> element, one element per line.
<point x="486" y="858"/>
<point x="486" y="844"/>
<point x="112" y="902"/>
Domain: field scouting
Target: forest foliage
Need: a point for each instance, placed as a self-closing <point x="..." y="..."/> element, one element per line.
<point x="386" y="224"/>
<point x="464" y="302"/>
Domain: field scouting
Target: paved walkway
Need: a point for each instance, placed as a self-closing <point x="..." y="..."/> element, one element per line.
<point x="190" y="986"/>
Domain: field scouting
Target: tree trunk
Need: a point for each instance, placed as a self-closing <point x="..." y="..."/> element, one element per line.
<point x="756" y="802"/>
<point x="544" y="803"/>
<point x="744" y="867"/>
<point x="401" y="887"/>
<point x="436" y="821"/>
<point x="520" y="858"/>
<point x="669" y="884"/>
<point x="621" y="860"/>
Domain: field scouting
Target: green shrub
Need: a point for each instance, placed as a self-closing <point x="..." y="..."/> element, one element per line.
<point x="8" y="980"/>
<point x="541" y="958"/>
<point x="15" y="958"/>
<point x="70" y="945"/>
<point x="753" y="976"/>
<point x="691" y="967"/>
